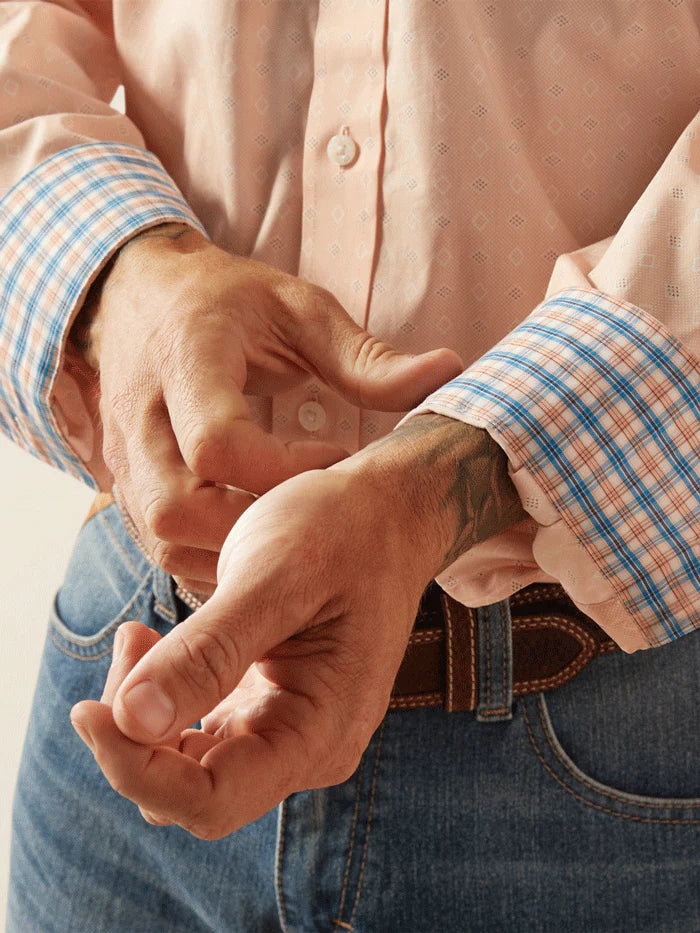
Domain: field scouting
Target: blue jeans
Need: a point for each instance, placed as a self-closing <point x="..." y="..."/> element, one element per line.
<point x="578" y="812"/>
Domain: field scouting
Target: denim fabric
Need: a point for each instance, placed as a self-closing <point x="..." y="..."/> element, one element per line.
<point x="581" y="812"/>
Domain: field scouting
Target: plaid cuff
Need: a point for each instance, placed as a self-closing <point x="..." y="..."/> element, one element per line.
<point x="601" y="404"/>
<point x="58" y="227"/>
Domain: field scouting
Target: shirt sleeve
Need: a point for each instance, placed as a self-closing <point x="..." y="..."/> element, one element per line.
<point x="76" y="182"/>
<point x="595" y="398"/>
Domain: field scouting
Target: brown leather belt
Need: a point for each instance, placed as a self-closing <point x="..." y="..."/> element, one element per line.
<point x="552" y="641"/>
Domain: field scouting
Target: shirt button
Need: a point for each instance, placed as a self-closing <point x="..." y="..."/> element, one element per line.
<point x="341" y="149"/>
<point x="312" y="416"/>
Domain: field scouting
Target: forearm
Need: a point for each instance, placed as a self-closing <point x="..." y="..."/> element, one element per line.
<point x="451" y="477"/>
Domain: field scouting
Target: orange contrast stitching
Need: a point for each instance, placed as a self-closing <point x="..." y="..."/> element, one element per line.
<point x="581" y="778"/>
<point x="353" y="828"/>
<point x="80" y="657"/>
<point x="472" y="637"/>
<point x="427" y="637"/>
<point x="163" y="609"/>
<point x="448" y="619"/>
<point x="416" y="701"/>
<point x="369" y="822"/>
<point x="487" y="617"/>
<point x="588" y="803"/>
<point x="587" y="653"/>
<point x="533" y="594"/>
<point x="494" y="712"/>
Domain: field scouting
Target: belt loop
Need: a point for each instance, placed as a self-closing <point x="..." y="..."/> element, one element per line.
<point x="460" y="655"/>
<point x="495" y="662"/>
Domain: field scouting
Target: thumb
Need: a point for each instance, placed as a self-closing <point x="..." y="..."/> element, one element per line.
<point x="369" y="372"/>
<point x="187" y="673"/>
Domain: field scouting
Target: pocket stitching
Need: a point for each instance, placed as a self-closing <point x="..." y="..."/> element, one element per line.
<point x="59" y="630"/>
<point x="604" y="789"/>
<point x="80" y="657"/>
<point x="677" y="803"/>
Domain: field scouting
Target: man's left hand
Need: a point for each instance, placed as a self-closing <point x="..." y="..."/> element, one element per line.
<point x="290" y="664"/>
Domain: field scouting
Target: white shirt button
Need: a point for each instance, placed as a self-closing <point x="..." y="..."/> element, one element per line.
<point x="341" y="149"/>
<point x="312" y="416"/>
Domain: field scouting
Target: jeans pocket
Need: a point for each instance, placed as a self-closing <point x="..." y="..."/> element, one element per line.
<point x="621" y="737"/>
<point x="108" y="581"/>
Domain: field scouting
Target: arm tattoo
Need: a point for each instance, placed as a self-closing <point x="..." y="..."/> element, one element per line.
<point x="463" y="475"/>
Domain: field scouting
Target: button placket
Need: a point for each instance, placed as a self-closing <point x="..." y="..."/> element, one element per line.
<point x="340" y="190"/>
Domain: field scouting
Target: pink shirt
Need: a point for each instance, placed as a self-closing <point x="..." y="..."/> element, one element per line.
<point x="500" y="153"/>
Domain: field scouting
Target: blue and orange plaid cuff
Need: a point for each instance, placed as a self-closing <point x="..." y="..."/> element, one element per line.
<point x="59" y="225"/>
<point x="601" y="405"/>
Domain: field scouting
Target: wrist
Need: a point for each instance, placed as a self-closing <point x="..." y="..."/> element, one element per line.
<point x="442" y="484"/>
<point x="86" y="328"/>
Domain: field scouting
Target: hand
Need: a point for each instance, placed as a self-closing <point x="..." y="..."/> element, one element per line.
<point x="180" y="330"/>
<point x="291" y="662"/>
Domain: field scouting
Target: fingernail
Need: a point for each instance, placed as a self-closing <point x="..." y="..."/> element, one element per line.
<point x="84" y="735"/>
<point x="151" y="707"/>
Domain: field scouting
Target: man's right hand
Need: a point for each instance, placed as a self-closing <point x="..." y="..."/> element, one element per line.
<point x="181" y="330"/>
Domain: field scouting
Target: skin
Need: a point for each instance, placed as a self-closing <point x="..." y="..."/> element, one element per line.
<point x="291" y="662"/>
<point x="171" y="337"/>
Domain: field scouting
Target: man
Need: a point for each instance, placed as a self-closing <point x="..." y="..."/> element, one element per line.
<point x="203" y="302"/>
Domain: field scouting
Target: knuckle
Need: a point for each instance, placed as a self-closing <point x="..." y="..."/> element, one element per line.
<point x="121" y="782"/>
<point x="123" y="403"/>
<point x="165" y="555"/>
<point x="343" y="764"/>
<point x="369" y="350"/>
<point x="206" y="451"/>
<point x="161" y="515"/>
<point x="321" y="305"/>
<point x="206" y="658"/>
<point x="130" y="629"/>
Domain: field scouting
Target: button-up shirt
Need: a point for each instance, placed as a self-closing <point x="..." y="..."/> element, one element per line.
<point x="517" y="181"/>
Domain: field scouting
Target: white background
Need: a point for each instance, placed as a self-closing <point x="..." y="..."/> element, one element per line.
<point x="42" y="513"/>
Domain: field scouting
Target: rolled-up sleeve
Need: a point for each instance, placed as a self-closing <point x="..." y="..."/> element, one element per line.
<point x="76" y="182"/>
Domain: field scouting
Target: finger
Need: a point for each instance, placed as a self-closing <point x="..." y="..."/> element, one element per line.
<point x="200" y="661"/>
<point x="236" y="782"/>
<point x="195" y="743"/>
<point x="196" y="563"/>
<point x="132" y="641"/>
<point x="211" y="421"/>
<point x="251" y="457"/>
<point x="232" y="716"/>
<point x="172" y="504"/>
<point x="160" y="780"/>
<point x="367" y="371"/>
<point x="153" y="819"/>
